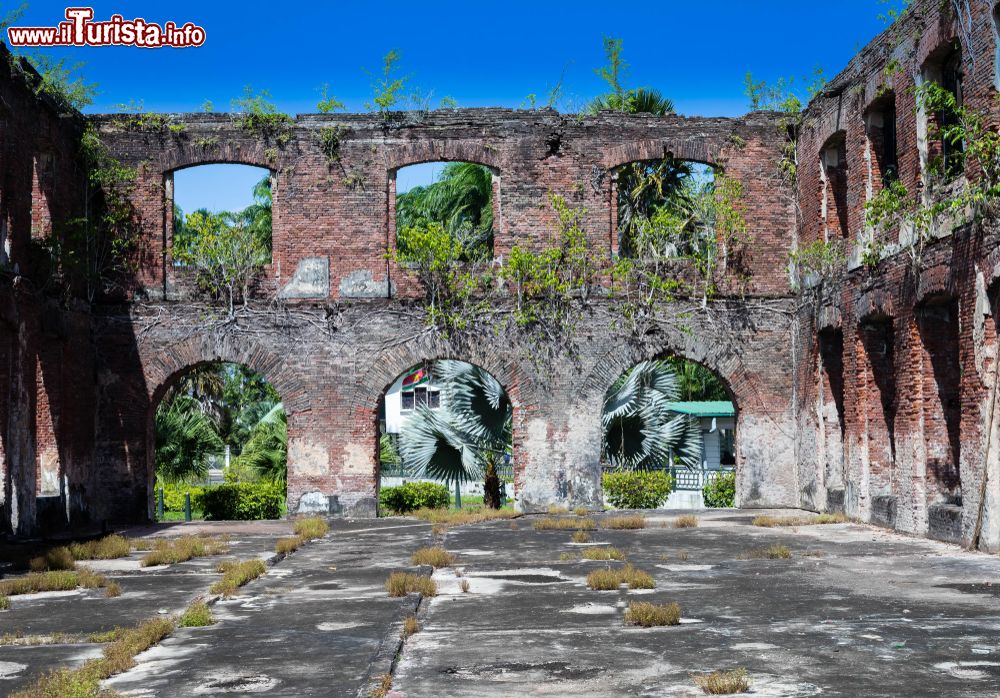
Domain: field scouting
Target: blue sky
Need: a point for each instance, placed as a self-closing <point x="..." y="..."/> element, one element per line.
<point x="479" y="54"/>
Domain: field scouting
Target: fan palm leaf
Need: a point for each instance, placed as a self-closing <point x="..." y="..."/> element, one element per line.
<point x="640" y="431"/>
<point x="185" y="440"/>
<point x="266" y="451"/>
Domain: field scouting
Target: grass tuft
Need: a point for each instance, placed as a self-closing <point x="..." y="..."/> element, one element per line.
<point x="107" y="548"/>
<point x="552" y="523"/>
<point x="435" y="557"/>
<point x="410" y="627"/>
<point x="569" y="557"/>
<point x="581" y="511"/>
<point x="236" y="574"/>
<point x="724" y="683"/>
<point x="608" y="553"/>
<point x="774" y="552"/>
<point x="629" y="522"/>
<point x="284" y="546"/>
<point x="403" y="583"/>
<point x="766" y="521"/>
<point x="4" y="603"/>
<point x="689" y="521"/>
<point x="465" y="586"/>
<point x="557" y="509"/>
<point x="56" y="559"/>
<point x="119" y="656"/>
<point x="60" y="580"/>
<point x="383" y="687"/>
<point x="609" y="579"/>
<point x="182" y="549"/>
<point x="463" y="517"/>
<point x="581" y="537"/>
<point x="197" y="615"/>
<point x="312" y="527"/>
<point x="650" y="615"/>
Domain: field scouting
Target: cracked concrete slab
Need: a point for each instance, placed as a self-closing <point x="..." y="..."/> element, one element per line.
<point x="855" y="611"/>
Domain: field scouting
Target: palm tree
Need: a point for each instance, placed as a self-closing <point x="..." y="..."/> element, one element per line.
<point x="640" y="431"/>
<point x="466" y="439"/>
<point x="185" y="440"/>
<point x="265" y="453"/>
<point x="461" y="201"/>
<point x="697" y="383"/>
<point x="257" y="216"/>
<point x="642" y="100"/>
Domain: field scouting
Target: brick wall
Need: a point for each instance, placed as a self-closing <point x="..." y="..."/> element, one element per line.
<point x="872" y="393"/>
<point x="919" y="338"/>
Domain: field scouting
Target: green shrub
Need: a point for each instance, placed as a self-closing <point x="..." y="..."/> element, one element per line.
<point x="414" y="495"/>
<point x="243" y="501"/>
<point x="720" y="492"/>
<point x="173" y="496"/>
<point x="637" y="489"/>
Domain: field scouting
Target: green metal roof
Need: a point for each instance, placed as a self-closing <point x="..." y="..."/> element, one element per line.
<point x="704" y="409"/>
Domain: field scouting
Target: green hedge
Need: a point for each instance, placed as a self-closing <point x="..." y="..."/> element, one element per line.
<point x="173" y="496"/>
<point x="243" y="501"/>
<point x="637" y="489"/>
<point x="411" y="496"/>
<point x="720" y="492"/>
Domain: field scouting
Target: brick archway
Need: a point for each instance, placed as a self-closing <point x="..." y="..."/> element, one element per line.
<point x="168" y="365"/>
<point x="386" y="368"/>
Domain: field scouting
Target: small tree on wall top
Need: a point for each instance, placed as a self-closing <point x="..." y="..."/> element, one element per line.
<point x="227" y="258"/>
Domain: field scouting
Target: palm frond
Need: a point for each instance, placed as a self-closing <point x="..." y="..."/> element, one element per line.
<point x="185" y="440"/>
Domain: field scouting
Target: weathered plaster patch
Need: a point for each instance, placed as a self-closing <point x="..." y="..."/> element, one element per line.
<point x="311" y="279"/>
<point x="313" y="503"/>
<point x="308" y="459"/>
<point x="9" y="670"/>
<point x="361" y="284"/>
<point x="358" y="460"/>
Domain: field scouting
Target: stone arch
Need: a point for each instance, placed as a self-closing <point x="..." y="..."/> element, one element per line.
<point x="707" y="151"/>
<point x="226" y="153"/>
<point x="443" y="151"/>
<point x="388" y="365"/>
<point x="165" y="365"/>
<point x="736" y="378"/>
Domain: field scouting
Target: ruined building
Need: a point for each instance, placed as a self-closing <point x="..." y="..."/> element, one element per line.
<point x="868" y="387"/>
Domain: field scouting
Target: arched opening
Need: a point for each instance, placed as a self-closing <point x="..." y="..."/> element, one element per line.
<point x="833" y="177"/>
<point x="219" y="433"/>
<point x="454" y="199"/>
<point x="678" y="418"/>
<point x="219" y="223"/>
<point x="451" y="423"/>
<point x="945" y="74"/>
<point x="665" y="209"/>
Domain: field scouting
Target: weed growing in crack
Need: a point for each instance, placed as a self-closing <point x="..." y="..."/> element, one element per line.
<point x="403" y="583"/>
<point x="197" y="615"/>
<point x="650" y="615"/>
<point x="724" y="683"/>
<point x="435" y="557"/>
<point x="688" y="521"/>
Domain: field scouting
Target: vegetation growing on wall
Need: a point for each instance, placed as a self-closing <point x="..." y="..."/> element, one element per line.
<point x="226" y="250"/>
<point x="943" y="202"/>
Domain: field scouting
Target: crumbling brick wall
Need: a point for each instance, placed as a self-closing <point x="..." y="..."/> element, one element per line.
<point x="46" y="356"/>
<point x="873" y="392"/>
<point x="919" y="334"/>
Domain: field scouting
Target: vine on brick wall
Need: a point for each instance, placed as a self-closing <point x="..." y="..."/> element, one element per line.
<point x="947" y="199"/>
<point x="96" y="254"/>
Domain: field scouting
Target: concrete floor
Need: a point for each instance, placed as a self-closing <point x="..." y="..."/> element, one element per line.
<point x="856" y="611"/>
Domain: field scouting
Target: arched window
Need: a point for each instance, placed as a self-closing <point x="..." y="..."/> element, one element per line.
<point x="457" y="199"/>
